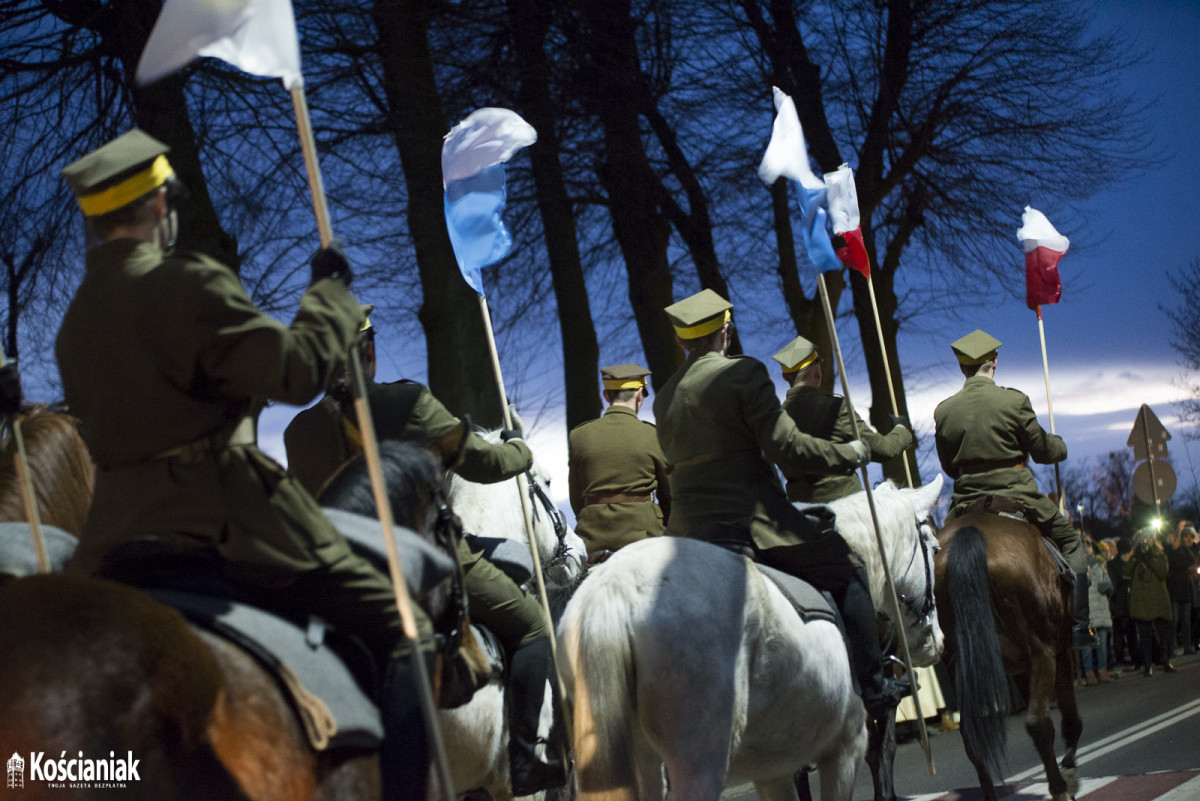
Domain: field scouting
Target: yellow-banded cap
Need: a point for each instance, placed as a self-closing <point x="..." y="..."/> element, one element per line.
<point x="976" y="347"/>
<point x="699" y="315"/>
<point x="366" y="310"/>
<point x="118" y="173"/>
<point x="624" y="376"/>
<point x="796" y="355"/>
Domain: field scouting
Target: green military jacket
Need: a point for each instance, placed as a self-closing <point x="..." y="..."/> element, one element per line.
<point x="823" y="488"/>
<point x="1148" y="595"/>
<point x="161" y="351"/>
<point x="617" y="454"/>
<point x="985" y="435"/>
<point x="322" y="438"/>
<point x="721" y="427"/>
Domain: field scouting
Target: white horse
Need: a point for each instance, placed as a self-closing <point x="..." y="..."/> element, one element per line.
<point x="683" y="655"/>
<point x="476" y="734"/>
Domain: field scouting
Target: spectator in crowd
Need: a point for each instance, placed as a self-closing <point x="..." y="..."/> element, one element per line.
<point x="1095" y="659"/>
<point x="1124" y="636"/>
<point x="1149" y="601"/>
<point x="1181" y="571"/>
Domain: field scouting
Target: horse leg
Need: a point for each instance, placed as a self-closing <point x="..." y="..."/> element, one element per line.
<point x="1072" y="724"/>
<point x="801" y="782"/>
<point x="778" y="789"/>
<point x="881" y="754"/>
<point x="838" y="764"/>
<point x="1042" y="681"/>
<point x="650" y="781"/>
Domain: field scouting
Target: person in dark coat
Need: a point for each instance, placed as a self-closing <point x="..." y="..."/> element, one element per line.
<point x="1125" y="646"/>
<point x="166" y="362"/>
<point x="1182" y="561"/>
<point x="1149" y="600"/>
<point x="721" y="427"/>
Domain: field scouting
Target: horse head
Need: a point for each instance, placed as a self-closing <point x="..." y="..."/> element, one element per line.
<point x="909" y="536"/>
<point x="496" y="510"/>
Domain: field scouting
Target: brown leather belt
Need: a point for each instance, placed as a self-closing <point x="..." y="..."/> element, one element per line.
<point x="985" y="467"/>
<point x="617" y="497"/>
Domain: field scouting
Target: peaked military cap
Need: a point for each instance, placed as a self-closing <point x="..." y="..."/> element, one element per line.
<point x="118" y="173"/>
<point x="699" y="315"/>
<point x="976" y="347"/>
<point x="624" y="376"/>
<point x="366" y="309"/>
<point x="796" y="355"/>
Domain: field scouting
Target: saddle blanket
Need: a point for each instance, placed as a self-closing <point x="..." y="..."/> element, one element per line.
<point x="333" y="709"/>
<point x="18" y="556"/>
<point x="809" y="602"/>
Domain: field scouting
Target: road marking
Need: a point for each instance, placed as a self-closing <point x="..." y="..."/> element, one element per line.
<point x="1121" y="739"/>
<point x="1188" y="791"/>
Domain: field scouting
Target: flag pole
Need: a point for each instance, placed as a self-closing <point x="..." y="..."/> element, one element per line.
<point x="366" y="426"/>
<point x="1050" y="405"/>
<point x="887" y="571"/>
<point x="523" y="490"/>
<point x="28" y="498"/>
<point x="887" y="371"/>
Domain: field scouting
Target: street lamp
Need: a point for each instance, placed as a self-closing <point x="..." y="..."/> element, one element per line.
<point x="1079" y="510"/>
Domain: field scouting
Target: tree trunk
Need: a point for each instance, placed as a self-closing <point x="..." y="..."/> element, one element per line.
<point x="459" y="367"/>
<point x="635" y="195"/>
<point x="581" y="353"/>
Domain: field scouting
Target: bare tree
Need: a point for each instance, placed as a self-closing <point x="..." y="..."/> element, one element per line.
<point x="1184" y="313"/>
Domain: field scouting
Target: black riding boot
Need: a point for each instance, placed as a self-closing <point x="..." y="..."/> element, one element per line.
<point x="881" y="694"/>
<point x="1082" y="635"/>
<point x="404" y="753"/>
<point x="531" y="669"/>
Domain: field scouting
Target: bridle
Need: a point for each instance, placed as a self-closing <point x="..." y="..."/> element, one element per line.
<point x="538" y="497"/>
<point x="925" y="543"/>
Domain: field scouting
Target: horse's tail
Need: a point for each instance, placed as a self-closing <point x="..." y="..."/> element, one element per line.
<point x="980" y="680"/>
<point x="598" y="645"/>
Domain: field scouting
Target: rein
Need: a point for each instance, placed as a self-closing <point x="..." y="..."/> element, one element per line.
<point x="920" y="545"/>
<point x="539" y="497"/>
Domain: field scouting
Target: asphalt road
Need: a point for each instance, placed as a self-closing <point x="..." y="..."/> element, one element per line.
<point x="1133" y="727"/>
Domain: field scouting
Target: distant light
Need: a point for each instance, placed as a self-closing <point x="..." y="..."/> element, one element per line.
<point x="1156" y="524"/>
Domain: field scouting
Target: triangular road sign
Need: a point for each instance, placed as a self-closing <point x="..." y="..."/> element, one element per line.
<point x="1149" y="437"/>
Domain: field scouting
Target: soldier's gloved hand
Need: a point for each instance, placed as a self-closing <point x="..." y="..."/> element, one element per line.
<point x="509" y="434"/>
<point x="902" y="420"/>
<point x="330" y="262"/>
<point x="862" y="452"/>
<point x="10" y="389"/>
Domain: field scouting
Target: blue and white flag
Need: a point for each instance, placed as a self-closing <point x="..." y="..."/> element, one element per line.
<point x="787" y="155"/>
<point x="473" y="157"/>
<point x="256" y="36"/>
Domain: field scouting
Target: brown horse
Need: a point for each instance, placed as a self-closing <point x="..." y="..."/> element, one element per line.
<point x="1005" y="612"/>
<point x="96" y="669"/>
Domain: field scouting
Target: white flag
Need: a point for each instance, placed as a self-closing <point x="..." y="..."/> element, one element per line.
<point x="256" y="36"/>
<point x="787" y="153"/>
<point x="488" y="136"/>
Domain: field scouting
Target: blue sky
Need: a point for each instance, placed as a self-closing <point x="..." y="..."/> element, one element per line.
<point x="1108" y="344"/>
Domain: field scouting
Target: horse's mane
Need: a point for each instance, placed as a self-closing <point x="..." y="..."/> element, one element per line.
<point x="410" y="472"/>
<point x="60" y="466"/>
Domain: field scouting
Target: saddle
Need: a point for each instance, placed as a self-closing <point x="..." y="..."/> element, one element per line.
<point x="809" y="602"/>
<point x="1007" y="507"/>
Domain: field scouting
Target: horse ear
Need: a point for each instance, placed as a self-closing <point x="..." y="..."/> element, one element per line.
<point x="449" y="447"/>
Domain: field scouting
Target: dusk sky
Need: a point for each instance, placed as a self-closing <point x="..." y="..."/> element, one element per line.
<point x="1108" y="344"/>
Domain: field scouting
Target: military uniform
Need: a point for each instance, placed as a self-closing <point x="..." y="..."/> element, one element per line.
<point x="828" y="417"/>
<point x="617" y="470"/>
<point x="318" y="442"/>
<point x="985" y="436"/>
<point x="721" y="427"/>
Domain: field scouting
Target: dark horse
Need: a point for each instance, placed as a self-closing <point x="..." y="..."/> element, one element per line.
<point x="1005" y="612"/>
<point x="93" y="667"/>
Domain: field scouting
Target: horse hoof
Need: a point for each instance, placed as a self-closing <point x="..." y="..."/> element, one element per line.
<point x="1071" y="777"/>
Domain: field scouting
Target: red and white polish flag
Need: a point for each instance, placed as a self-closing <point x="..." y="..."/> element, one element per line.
<point x="843" y="215"/>
<point x="1044" y="247"/>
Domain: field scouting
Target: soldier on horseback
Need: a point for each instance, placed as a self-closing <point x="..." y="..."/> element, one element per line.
<point x="721" y="426"/>
<point x="986" y="435"/>
<point x="827" y="417"/>
<point x="321" y="439"/>
<point x="618" y="474"/>
<point x="166" y="362"/>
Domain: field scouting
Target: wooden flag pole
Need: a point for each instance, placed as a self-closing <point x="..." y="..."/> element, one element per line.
<point x="887" y="371"/>
<point x="1050" y="406"/>
<point x="28" y="497"/>
<point x="887" y="570"/>
<point x="525" y="509"/>
<point x="366" y="427"/>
